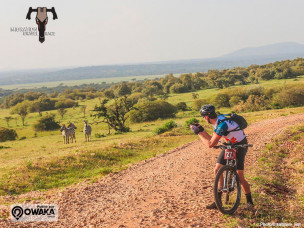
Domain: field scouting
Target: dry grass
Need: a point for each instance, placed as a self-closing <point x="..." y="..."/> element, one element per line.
<point x="277" y="183"/>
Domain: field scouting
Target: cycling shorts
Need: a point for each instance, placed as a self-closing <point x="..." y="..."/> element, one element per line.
<point x="240" y="155"/>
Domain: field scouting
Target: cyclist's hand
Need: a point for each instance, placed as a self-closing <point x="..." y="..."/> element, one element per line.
<point x="200" y="127"/>
<point x="196" y="128"/>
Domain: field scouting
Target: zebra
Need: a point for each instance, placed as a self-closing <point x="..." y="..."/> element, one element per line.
<point x="67" y="133"/>
<point x="72" y="126"/>
<point x="87" y="131"/>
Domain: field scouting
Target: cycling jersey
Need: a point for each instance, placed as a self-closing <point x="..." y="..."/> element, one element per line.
<point x="222" y="130"/>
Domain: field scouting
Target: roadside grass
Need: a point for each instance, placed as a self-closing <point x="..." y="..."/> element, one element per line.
<point x="88" y="164"/>
<point x="277" y="183"/>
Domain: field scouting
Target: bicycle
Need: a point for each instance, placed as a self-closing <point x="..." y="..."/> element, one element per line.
<point x="231" y="185"/>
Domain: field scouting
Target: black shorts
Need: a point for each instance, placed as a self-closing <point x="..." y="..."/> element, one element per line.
<point x="240" y="156"/>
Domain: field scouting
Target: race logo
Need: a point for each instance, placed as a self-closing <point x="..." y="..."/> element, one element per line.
<point x="34" y="213"/>
<point x="41" y="19"/>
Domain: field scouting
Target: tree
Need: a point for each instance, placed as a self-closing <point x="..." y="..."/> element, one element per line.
<point x="150" y="91"/>
<point x="178" y="88"/>
<point x="109" y="94"/>
<point x="186" y="81"/>
<point x="164" y="96"/>
<point x="123" y="89"/>
<point x="83" y="109"/>
<point x="22" y="110"/>
<point x="195" y="95"/>
<point x="16" y="120"/>
<point x="62" y="112"/>
<point x="7" y="119"/>
<point x="264" y="74"/>
<point x="37" y="107"/>
<point x="116" y="114"/>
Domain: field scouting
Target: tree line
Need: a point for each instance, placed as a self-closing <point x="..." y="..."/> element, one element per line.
<point x="145" y="100"/>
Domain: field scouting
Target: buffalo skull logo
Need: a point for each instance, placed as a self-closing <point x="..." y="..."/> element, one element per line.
<point x="41" y="19"/>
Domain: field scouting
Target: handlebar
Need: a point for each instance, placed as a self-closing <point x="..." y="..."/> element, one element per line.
<point x="232" y="146"/>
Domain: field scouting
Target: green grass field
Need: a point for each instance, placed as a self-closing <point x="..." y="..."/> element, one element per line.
<point x="42" y="160"/>
<point x="79" y="82"/>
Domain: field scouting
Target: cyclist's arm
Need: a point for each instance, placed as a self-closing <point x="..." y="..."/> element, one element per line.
<point x="208" y="140"/>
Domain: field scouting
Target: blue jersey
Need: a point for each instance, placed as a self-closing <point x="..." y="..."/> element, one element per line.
<point x="222" y="130"/>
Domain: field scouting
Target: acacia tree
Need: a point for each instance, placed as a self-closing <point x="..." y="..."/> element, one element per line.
<point x="116" y="114"/>
<point x="62" y="112"/>
<point x="7" y="119"/>
<point x="22" y="110"/>
<point x="195" y="95"/>
<point x="83" y="109"/>
<point x="37" y="107"/>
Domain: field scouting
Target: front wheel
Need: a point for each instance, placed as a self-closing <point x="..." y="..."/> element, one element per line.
<point x="228" y="196"/>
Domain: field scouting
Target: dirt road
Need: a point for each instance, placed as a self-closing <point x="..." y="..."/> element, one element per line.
<point x="169" y="190"/>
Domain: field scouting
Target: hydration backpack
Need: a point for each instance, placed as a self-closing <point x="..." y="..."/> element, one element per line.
<point x="240" y="120"/>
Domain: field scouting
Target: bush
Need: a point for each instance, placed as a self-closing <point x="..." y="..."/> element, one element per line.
<point x="292" y="96"/>
<point x="159" y="130"/>
<point x="67" y="103"/>
<point x="7" y="134"/>
<point x="197" y="104"/>
<point x="98" y="135"/>
<point x="170" y="124"/>
<point x="152" y="110"/>
<point x="136" y="97"/>
<point x="46" y="123"/>
<point x="253" y="103"/>
<point x="181" y="106"/>
<point x="166" y="127"/>
<point x="178" y="88"/>
<point x="222" y="100"/>
<point x="191" y="121"/>
<point x="234" y="100"/>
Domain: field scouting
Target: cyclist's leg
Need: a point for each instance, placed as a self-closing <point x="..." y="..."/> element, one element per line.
<point x="245" y="185"/>
<point x="219" y="163"/>
<point x="221" y="180"/>
<point x="240" y="169"/>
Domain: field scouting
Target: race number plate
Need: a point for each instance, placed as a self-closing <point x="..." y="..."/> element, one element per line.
<point x="230" y="154"/>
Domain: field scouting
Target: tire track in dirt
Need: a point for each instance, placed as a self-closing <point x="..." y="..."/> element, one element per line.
<point x="168" y="190"/>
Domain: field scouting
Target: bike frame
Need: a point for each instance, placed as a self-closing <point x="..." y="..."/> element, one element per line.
<point x="230" y="176"/>
<point x="232" y="163"/>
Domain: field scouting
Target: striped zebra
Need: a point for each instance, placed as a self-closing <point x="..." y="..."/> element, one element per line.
<point x="72" y="126"/>
<point x="87" y="130"/>
<point x="67" y="133"/>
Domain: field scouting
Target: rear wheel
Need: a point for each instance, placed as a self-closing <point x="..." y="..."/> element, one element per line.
<point x="228" y="196"/>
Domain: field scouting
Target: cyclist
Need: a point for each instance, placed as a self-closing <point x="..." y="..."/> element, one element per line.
<point x="235" y="137"/>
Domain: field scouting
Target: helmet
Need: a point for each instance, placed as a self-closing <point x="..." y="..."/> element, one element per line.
<point x="207" y="110"/>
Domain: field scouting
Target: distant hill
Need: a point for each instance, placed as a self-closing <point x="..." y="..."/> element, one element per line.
<point x="288" y="49"/>
<point x="243" y="57"/>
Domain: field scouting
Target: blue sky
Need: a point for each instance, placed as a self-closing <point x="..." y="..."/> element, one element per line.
<point x="98" y="32"/>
